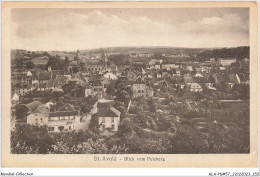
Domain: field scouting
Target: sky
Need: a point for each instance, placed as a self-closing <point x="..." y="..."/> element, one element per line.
<point x="85" y="28"/>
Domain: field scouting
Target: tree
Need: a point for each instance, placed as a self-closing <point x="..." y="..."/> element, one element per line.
<point x="28" y="139"/>
<point x="21" y="112"/>
<point x="67" y="88"/>
<point x="94" y="124"/>
<point x="125" y="127"/>
<point x="29" y="65"/>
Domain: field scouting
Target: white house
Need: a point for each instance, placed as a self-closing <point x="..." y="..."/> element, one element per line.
<point x="64" y="119"/>
<point x="194" y="87"/>
<point x="226" y="61"/>
<point x="39" y="117"/>
<point x="108" y="118"/>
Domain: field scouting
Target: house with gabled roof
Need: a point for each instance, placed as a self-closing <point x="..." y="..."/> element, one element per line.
<point x="139" y="88"/>
<point x="39" y="117"/>
<point x="64" y="119"/>
<point x="108" y="117"/>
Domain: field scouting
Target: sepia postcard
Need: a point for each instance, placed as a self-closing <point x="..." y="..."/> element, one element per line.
<point x="129" y="84"/>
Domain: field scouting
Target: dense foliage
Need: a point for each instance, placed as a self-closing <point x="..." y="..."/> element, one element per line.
<point x="239" y="53"/>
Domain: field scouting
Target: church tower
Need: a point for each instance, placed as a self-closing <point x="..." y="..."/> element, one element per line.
<point x="104" y="58"/>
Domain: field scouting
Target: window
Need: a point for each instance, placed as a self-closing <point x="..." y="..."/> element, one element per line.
<point x="103" y="120"/>
<point x="69" y="127"/>
<point x="104" y="126"/>
<point x="113" y="120"/>
<point x="113" y="126"/>
<point x="41" y="120"/>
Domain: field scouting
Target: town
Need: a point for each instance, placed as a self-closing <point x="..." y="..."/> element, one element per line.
<point x="130" y="100"/>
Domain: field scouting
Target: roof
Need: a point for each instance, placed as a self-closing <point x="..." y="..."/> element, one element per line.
<point x="67" y="107"/>
<point x="65" y="110"/>
<point x="105" y="104"/>
<point x="139" y="80"/>
<point x="33" y="105"/>
<point x="73" y="63"/>
<point x="42" y="109"/>
<point x="60" y="114"/>
<point x="33" y="72"/>
<point x="106" y="112"/>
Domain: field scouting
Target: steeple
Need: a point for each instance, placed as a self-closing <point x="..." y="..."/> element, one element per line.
<point x="78" y="53"/>
<point x="104" y="58"/>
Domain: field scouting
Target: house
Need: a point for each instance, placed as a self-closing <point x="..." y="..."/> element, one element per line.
<point x="44" y="78"/>
<point x="97" y="65"/>
<point x="88" y="91"/>
<point x="164" y="72"/>
<point x="40" y="61"/>
<point x="159" y="74"/>
<point x="198" y="75"/>
<point x="108" y="118"/>
<point x="222" y="69"/>
<point x="194" y="87"/>
<point x="140" y="55"/>
<point x="226" y="61"/>
<point x="24" y="89"/>
<point x="64" y="119"/>
<point x="152" y="62"/>
<point x="97" y="87"/>
<point x="210" y="82"/>
<point x="73" y="66"/>
<point x="39" y="117"/>
<point x="55" y="73"/>
<point x="178" y="72"/>
<point x="139" y="88"/>
<point x="189" y="68"/>
<point x="59" y="81"/>
<point x="158" y="65"/>
<point x="131" y="75"/>
<point x="212" y="60"/>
